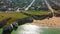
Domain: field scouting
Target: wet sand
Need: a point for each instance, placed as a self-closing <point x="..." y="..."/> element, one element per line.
<point x="51" y="22"/>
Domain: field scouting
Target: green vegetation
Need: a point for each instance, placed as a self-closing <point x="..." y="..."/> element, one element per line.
<point x="0" y="31"/>
<point x="17" y="15"/>
<point x="14" y="16"/>
<point x="57" y="11"/>
<point x="38" y="12"/>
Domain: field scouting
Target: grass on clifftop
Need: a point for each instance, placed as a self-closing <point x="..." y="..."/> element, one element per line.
<point x="17" y="15"/>
<point x="14" y="16"/>
<point x="42" y="12"/>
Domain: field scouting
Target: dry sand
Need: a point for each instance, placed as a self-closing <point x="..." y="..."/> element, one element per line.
<point x="51" y="22"/>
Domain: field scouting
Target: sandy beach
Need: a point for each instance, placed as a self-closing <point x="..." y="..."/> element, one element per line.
<point x="51" y="22"/>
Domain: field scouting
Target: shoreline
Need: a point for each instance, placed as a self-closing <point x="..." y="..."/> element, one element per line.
<point x="51" y="22"/>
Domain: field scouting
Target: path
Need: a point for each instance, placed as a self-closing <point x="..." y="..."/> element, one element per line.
<point x="49" y="7"/>
<point x="30" y="5"/>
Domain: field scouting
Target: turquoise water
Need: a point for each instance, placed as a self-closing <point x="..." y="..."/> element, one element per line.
<point x="33" y="29"/>
<point x="51" y="31"/>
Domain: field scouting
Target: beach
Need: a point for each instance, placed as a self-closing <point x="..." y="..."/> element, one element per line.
<point x="51" y="22"/>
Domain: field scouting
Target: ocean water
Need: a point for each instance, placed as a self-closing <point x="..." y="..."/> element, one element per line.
<point x="33" y="29"/>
